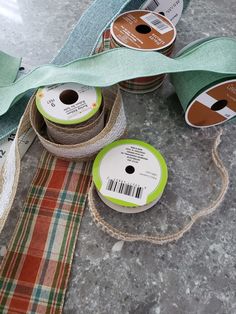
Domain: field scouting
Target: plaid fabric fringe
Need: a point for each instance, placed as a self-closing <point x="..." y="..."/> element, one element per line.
<point x="35" y="271"/>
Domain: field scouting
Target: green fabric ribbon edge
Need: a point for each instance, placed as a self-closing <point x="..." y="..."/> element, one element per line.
<point x="217" y="55"/>
<point x="9" y="67"/>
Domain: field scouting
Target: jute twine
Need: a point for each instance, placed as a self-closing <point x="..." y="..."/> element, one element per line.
<point x="163" y="239"/>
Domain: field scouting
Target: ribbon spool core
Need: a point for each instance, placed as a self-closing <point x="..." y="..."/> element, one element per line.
<point x="220" y="104"/>
<point x="68" y="97"/>
<point x="143" y="29"/>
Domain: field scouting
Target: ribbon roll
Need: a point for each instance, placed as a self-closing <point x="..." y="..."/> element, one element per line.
<point x="73" y="113"/>
<point x="145" y="31"/>
<point x="207" y="99"/>
<point x="137" y="181"/>
<point x="114" y="128"/>
<point x="161" y="239"/>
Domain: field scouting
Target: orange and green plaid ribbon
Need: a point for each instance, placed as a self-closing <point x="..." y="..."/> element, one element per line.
<point x="35" y="271"/>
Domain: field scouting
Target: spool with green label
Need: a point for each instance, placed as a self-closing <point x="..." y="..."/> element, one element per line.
<point x="130" y="175"/>
<point x="68" y="103"/>
<point x="73" y="112"/>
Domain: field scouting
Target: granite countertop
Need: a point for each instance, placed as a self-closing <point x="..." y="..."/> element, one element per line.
<point x="197" y="274"/>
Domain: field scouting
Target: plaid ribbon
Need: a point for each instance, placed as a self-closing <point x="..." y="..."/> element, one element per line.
<point x="141" y="84"/>
<point x="35" y="271"/>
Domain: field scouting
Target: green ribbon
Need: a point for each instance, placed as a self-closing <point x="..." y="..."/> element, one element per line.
<point x="9" y="67"/>
<point x="199" y="65"/>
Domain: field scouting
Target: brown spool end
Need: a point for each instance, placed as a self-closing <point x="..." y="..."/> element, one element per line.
<point x="143" y="30"/>
<point x="214" y="106"/>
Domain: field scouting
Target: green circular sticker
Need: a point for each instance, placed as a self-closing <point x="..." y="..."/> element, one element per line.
<point x="130" y="173"/>
<point x="68" y="103"/>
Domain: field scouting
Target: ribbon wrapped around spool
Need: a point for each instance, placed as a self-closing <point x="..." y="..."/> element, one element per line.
<point x="73" y="113"/>
<point x="77" y="133"/>
<point x="137" y="181"/>
<point x="115" y="126"/>
<point x="161" y="238"/>
<point x="207" y="98"/>
<point x="144" y="31"/>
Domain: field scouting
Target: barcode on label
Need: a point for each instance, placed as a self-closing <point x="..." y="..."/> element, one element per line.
<point x="155" y="22"/>
<point x="125" y="188"/>
<point x="151" y="5"/>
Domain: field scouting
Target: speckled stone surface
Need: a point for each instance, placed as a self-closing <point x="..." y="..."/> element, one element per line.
<point x="196" y="275"/>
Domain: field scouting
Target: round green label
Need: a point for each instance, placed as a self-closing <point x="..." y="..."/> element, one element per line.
<point x="68" y="103"/>
<point x="130" y="173"/>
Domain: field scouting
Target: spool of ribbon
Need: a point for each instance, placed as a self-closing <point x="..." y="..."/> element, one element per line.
<point x="137" y="181"/>
<point x="207" y="99"/>
<point x="115" y="126"/>
<point x="145" y="31"/>
<point x="73" y="113"/>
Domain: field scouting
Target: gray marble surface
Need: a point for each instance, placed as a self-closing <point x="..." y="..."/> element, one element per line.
<point x="196" y="275"/>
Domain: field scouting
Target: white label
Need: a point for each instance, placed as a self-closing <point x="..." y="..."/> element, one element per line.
<point x="208" y="101"/>
<point x="129" y="173"/>
<point x="172" y="9"/>
<point x="155" y="22"/>
<point x="50" y="99"/>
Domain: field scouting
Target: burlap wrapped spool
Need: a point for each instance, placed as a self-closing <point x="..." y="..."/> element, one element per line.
<point x="84" y="147"/>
